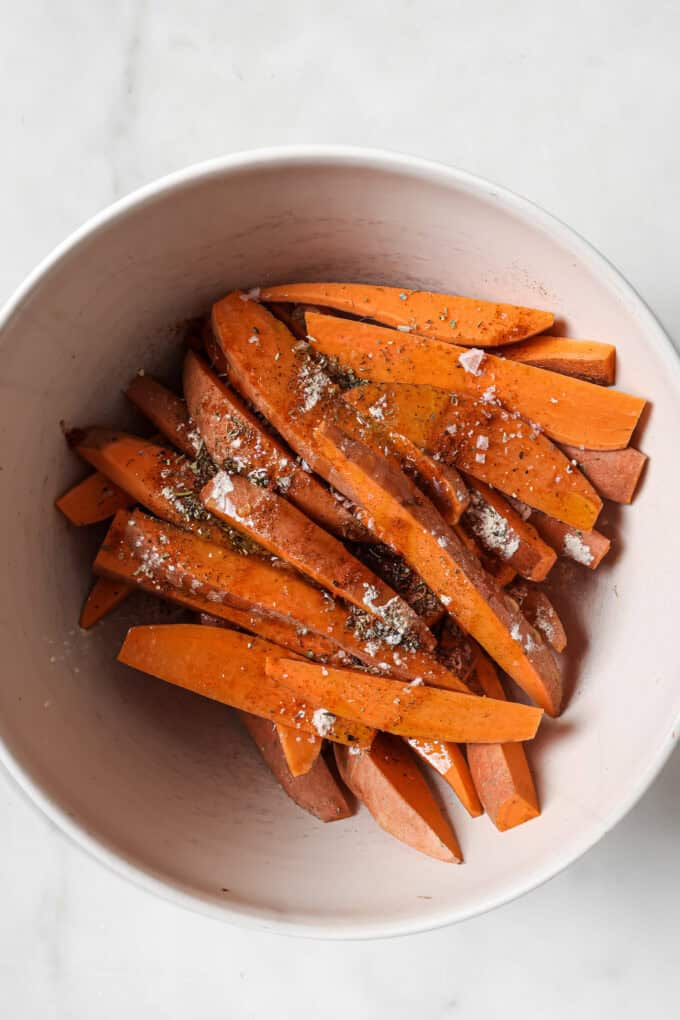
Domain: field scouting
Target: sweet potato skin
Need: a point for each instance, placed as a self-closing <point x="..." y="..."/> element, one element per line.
<point x="615" y="474"/>
<point x="388" y="782"/>
<point x="540" y="612"/>
<point x="584" y="359"/>
<point x="316" y="791"/>
<point x="166" y="411"/>
<point x="585" y="546"/>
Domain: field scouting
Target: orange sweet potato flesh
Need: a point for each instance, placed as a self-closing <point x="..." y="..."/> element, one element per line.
<point x="166" y="411"/>
<point x="614" y="473"/>
<point x="155" y="476"/>
<point x="501" y="772"/>
<point x="449" y="317"/>
<point x="284" y="530"/>
<point x="93" y="500"/>
<point x="449" y="762"/>
<point x="568" y="410"/>
<point x="316" y="791"/>
<point x="585" y="546"/>
<point x="540" y="612"/>
<point x="501" y="530"/>
<point x="237" y="440"/>
<point x="487" y="443"/>
<point x="116" y="560"/>
<point x="229" y="667"/>
<point x="105" y="595"/>
<point x="299" y="751"/>
<point x="407" y="710"/>
<point x="219" y="574"/>
<point x="388" y="781"/>
<point x="275" y="372"/>
<point x="404" y="518"/>
<point x="163" y="481"/>
<point x="584" y="359"/>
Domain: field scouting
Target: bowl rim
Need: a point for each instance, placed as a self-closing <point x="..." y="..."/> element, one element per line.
<point x="425" y="170"/>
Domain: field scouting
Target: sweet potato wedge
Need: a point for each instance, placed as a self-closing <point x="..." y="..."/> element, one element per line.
<point x="316" y="791"/>
<point x="282" y="529"/>
<point x="294" y="392"/>
<point x="174" y="557"/>
<point x="449" y="317"/>
<point x="501" y="772"/>
<point x="104" y="596"/>
<point x="540" y="612"/>
<point x="388" y="782"/>
<point x="403" y="517"/>
<point x="229" y="667"/>
<point x="407" y="710"/>
<point x="155" y="476"/>
<point x="584" y="359"/>
<point x="237" y="440"/>
<point x="449" y="762"/>
<point x="614" y="473"/>
<point x="585" y="546"/>
<point x="501" y="530"/>
<point x="116" y="560"/>
<point x="166" y="411"/>
<point x="567" y="409"/>
<point x="93" y="500"/>
<point x="487" y="443"/>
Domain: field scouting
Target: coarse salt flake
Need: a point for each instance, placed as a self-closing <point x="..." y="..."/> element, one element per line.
<point x="323" y="721"/>
<point x="576" y="549"/>
<point x="472" y="360"/>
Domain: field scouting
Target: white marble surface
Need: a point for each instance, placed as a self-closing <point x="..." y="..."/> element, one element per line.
<point x="573" y="104"/>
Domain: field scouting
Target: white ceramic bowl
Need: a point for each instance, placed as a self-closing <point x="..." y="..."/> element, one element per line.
<point x="162" y="785"/>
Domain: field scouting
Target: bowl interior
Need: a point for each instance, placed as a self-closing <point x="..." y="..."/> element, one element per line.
<point x="165" y="785"/>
